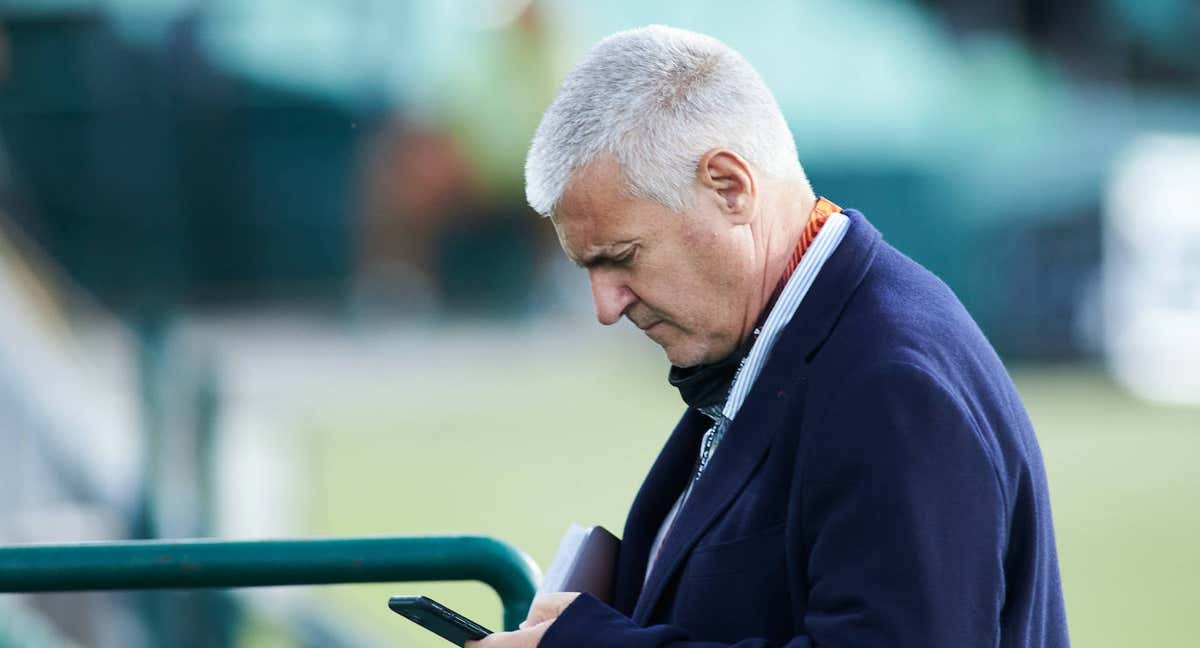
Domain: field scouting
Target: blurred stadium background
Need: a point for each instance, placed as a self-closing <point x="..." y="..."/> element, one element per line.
<point x="266" y="270"/>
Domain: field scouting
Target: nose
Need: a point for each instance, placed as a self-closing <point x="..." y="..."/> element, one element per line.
<point x="610" y="294"/>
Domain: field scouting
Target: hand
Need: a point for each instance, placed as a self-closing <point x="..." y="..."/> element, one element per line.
<point x="547" y="607"/>
<point x="544" y="611"/>
<point x="527" y="637"/>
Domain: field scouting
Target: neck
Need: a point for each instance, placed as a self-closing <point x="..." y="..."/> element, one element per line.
<point x="782" y="227"/>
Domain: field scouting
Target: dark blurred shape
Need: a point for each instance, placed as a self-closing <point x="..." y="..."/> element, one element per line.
<point x="488" y="263"/>
<point x="445" y="225"/>
<point x="160" y="179"/>
<point x="415" y="180"/>
<point x="265" y="183"/>
<point x="429" y="240"/>
<point x="1151" y="42"/>
<point x="1041" y="279"/>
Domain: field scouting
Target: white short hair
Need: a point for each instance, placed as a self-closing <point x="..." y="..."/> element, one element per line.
<point x="657" y="98"/>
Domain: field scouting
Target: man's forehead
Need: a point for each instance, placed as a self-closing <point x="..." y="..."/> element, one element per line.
<point x="594" y="210"/>
<point x="594" y="187"/>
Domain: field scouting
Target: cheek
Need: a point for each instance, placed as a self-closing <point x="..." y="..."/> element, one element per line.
<point x="699" y="253"/>
<point x="690" y="295"/>
<point x="684" y="276"/>
<point x="696" y="238"/>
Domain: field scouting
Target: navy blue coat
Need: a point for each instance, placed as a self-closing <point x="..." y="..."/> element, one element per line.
<point x="880" y="487"/>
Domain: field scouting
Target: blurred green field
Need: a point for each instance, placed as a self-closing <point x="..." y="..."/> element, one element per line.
<point x="521" y="453"/>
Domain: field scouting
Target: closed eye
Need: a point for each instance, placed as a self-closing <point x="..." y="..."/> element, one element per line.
<point x="622" y="260"/>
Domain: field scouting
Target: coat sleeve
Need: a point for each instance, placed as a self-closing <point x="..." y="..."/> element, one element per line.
<point x="896" y="530"/>
<point x="588" y="623"/>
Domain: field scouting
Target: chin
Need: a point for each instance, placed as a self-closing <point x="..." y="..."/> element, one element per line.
<point x="691" y="355"/>
<point x="684" y="357"/>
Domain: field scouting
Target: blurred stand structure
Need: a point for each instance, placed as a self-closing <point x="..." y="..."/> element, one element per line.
<point x="218" y="214"/>
<point x="193" y="155"/>
<point x="71" y="441"/>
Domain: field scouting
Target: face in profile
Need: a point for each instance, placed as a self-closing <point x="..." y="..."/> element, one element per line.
<point x="680" y="277"/>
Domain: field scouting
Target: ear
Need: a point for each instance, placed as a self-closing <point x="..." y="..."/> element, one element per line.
<point x="731" y="182"/>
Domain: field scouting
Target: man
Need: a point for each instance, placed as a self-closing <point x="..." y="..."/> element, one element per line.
<point x="855" y="467"/>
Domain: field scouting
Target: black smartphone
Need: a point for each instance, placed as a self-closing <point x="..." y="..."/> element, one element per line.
<point x="437" y="618"/>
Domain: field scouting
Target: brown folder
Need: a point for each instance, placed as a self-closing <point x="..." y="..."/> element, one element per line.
<point x="584" y="562"/>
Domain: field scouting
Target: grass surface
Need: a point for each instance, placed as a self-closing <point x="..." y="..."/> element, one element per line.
<point x="521" y="453"/>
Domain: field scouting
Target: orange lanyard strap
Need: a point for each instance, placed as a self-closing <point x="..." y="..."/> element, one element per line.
<point x="816" y="220"/>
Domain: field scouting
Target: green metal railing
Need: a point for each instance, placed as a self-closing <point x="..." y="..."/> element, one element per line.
<point x="256" y="563"/>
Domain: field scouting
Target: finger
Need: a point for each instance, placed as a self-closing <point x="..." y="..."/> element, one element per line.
<point x="527" y="638"/>
<point x="538" y="616"/>
<point x="491" y="641"/>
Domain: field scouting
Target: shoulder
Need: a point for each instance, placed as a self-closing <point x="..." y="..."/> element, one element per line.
<point x="891" y="403"/>
<point x="903" y="319"/>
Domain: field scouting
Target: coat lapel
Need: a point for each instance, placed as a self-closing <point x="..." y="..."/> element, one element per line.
<point x="658" y="493"/>
<point x="748" y="439"/>
<point x="736" y="459"/>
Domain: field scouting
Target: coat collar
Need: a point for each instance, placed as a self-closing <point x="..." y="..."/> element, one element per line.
<point x="747" y="441"/>
<point x="845" y="269"/>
